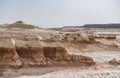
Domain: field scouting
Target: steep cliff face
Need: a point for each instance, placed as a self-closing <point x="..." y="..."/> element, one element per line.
<point x="55" y="53"/>
<point x="36" y="53"/>
<point x="30" y="52"/>
<point x="8" y="55"/>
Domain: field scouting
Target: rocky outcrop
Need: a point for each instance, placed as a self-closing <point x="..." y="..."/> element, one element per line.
<point x="8" y="55"/>
<point x="55" y="53"/>
<point x="36" y="53"/>
<point x="74" y="37"/>
<point x="79" y="59"/>
<point x="114" y="62"/>
<point x="31" y="53"/>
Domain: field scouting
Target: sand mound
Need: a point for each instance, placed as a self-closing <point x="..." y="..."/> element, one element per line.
<point x="20" y="24"/>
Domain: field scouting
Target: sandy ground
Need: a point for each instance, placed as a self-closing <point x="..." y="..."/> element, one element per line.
<point x="77" y="72"/>
<point x="11" y="73"/>
<point x="101" y="56"/>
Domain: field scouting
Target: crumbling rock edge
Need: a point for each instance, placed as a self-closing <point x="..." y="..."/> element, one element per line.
<point x="23" y="54"/>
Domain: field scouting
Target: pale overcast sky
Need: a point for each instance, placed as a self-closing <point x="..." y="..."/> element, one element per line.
<point x="58" y="13"/>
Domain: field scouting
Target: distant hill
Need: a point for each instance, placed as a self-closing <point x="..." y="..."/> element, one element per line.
<point x="95" y="26"/>
<point x="72" y="27"/>
<point x="19" y="24"/>
<point x="102" y="26"/>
